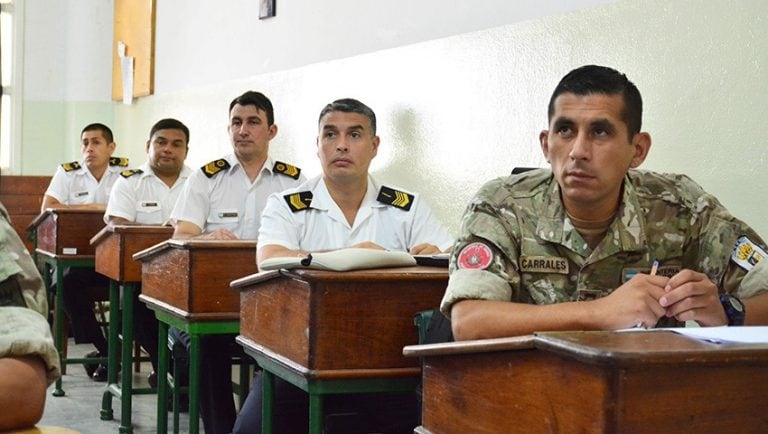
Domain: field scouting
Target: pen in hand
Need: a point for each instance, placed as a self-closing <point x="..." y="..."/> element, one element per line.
<point x="654" y="269"/>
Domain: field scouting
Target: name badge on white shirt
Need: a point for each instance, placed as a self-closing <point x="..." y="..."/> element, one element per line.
<point x="153" y="206"/>
<point x="224" y="215"/>
<point x="80" y="194"/>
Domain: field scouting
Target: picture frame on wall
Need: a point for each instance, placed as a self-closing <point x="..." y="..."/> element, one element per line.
<point x="266" y="9"/>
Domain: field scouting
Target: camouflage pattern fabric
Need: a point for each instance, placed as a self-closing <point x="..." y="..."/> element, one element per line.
<point x="539" y="258"/>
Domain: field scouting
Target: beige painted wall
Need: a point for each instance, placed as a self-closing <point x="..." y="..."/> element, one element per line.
<point x="458" y="111"/>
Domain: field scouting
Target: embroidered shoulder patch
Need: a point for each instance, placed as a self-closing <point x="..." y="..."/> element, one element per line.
<point x="286" y="169"/>
<point x="543" y="264"/>
<point x="118" y="161"/>
<point x="747" y="254"/>
<point x="68" y="167"/>
<point x="299" y="201"/>
<point x="475" y="256"/>
<point x="130" y="172"/>
<point x="396" y="198"/>
<point x="215" y="167"/>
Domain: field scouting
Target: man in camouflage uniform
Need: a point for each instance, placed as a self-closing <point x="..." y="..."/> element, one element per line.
<point x="28" y="360"/>
<point x="572" y="248"/>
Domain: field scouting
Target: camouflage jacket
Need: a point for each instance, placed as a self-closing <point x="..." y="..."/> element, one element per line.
<point x="536" y="256"/>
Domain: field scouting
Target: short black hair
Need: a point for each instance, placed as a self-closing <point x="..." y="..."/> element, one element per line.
<point x="591" y="79"/>
<point x="350" y="105"/>
<point x="257" y="99"/>
<point x="105" y="131"/>
<point x="169" y="124"/>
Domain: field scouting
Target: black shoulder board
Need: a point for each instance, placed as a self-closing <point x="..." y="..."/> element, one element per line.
<point x="118" y="161"/>
<point x="68" y="167"/>
<point x="130" y="172"/>
<point x="396" y="198"/>
<point x="299" y="201"/>
<point x="214" y="167"/>
<point x="286" y="169"/>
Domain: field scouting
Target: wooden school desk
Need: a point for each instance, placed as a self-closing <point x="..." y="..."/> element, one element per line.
<point x="114" y="248"/>
<point x="62" y="240"/>
<point x="332" y="332"/>
<point x="186" y="283"/>
<point x="597" y="382"/>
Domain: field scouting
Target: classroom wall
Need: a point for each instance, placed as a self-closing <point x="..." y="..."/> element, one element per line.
<point x="456" y="111"/>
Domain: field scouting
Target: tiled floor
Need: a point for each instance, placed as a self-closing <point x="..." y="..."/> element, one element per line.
<point x="80" y="408"/>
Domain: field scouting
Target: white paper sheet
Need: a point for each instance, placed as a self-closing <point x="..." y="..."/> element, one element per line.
<point x="741" y="334"/>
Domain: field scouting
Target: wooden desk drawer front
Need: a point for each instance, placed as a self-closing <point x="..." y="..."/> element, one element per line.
<point x="357" y="323"/>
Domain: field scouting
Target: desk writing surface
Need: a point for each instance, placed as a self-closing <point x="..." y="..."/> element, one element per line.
<point x="595" y="382"/>
<point x="116" y="244"/>
<point x="327" y="320"/>
<point x="191" y="277"/>
<point x="67" y="231"/>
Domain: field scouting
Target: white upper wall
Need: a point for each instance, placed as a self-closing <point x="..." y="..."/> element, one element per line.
<point x="68" y="50"/>
<point x="68" y="44"/>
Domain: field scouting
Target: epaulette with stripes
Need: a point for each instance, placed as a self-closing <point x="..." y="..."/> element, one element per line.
<point x="130" y="172"/>
<point x="118" y="161"/>
<point x="286" y="169"/>
<point x="396" y="198"/>
<point x="68" y="167"/>
<point x="215" y="167"/>
<point x="299" y="201"/>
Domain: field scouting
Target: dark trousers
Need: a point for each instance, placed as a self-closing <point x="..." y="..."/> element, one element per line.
<point x="217" y="406"/>
<point x="355" y="413"/>
<point x="145" y="327"/>
<point x="82" y="288"/>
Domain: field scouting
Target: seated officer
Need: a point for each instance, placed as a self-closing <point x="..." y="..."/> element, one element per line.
<point x="146" y="196"/>
<point x="86" y="184"/>
<point x="574" y="247"/>
<point x="345" y="207"/>
<point x="223" y="200"/>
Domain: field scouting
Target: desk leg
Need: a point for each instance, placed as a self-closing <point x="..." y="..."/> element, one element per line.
<point x="126" y="387"/>
<point x="194" y="383"/>
<point x="106" y="399"/>
<point x="162" y="377"/>
<point x="267" y="401"/>
<point x="58" y="391"/>
<point x="315" y="413"/>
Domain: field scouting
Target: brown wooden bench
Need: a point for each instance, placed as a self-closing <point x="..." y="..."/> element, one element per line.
<point x="23" y="196"/>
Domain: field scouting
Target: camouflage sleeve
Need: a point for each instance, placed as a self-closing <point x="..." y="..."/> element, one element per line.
<point x="24" y="332"/>
<point x="484" y="259"/>
<point x="728" y="250"/>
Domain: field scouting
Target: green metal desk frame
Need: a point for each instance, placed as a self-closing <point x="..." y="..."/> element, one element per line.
<point x="59" y="264"/>
<point x="124" y="390"/>
<point x="317" y="388"/>
<point x="196" y="330"/>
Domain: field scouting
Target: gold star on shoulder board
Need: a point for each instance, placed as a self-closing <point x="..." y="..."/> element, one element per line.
<point x="118" y="161"/>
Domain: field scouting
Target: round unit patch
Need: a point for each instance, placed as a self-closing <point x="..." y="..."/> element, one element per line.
<point x="475" y="256"/>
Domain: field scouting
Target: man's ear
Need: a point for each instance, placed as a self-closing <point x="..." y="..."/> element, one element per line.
<point x="544" y="142"/>
<point x="112" y="146"/>
<point x="642" y="144"/>
<point x="376" y="142"/>
<point x="147" y="149"/>
<point x="272" y="131"/>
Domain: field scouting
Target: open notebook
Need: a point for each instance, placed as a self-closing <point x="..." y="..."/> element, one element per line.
<point x="342" y="260"/>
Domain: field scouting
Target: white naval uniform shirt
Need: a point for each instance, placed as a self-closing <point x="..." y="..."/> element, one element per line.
<point x="144" y="198"/>
<point x="323" y="226"/>
<point x="79" y="187"/>
<point x="228" y="199"/>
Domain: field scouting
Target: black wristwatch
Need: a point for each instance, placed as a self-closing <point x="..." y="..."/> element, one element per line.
<point x="734" y="309"/>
